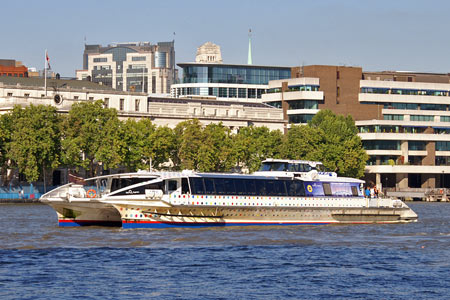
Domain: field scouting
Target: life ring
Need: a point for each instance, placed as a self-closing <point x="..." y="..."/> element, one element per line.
<point x="441" y="191"/>
<point x="91" y="193"/>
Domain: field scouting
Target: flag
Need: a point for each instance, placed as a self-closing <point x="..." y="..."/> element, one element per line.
<point x="47" y="59"/>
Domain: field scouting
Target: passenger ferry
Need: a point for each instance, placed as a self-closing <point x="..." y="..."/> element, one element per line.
<point x="283" y="192"/>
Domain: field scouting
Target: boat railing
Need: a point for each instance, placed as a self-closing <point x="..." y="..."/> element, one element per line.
<point x="74" y="191"/>
<point x="384" y="202"/>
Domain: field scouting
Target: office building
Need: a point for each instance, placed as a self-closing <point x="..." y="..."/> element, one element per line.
<point x="210" y="78"/>
<point x="133" y="67"/>
<point x="403" y="119"/>
<point x="10" y="67"/>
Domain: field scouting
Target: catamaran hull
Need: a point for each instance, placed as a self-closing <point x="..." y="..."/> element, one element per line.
<point x="74" y="214"/>
<point x="163" y="217"/>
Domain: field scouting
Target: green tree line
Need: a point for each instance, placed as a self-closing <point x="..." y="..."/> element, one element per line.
<point x="36" y="140"/>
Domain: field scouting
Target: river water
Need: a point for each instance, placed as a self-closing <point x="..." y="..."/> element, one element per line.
<point x="39" y="260"/>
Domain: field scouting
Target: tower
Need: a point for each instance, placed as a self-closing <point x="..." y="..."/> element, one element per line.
<point x="249" y="60"/>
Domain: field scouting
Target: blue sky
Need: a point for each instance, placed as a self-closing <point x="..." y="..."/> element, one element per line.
<point x="377" y="35"/>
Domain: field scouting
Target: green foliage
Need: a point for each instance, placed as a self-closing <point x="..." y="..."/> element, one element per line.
<point x="251" y="145"/>
<point x="189" y="139"/>
<point x="92" y="137"/>
<point x="35" y="139"/>
<point x="216" y="151"/>
<point x="302" y="142"/>
<point x="136" y="138"/>
<point x="340" y="148"/>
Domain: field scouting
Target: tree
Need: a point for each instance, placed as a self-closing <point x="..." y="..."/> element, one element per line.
<point x="92" y="137"/>
<point x="254" y="144"/>
<point x="163" y="143"/>
<point x="188" y="142"/>
<point x="137" y="141"/>
<point x="216" y="151"/>
<point x="5" y="139"/>
<point x="340" y="147"/>
<point x="35" y="140"/>
<point x="302" y="142"/>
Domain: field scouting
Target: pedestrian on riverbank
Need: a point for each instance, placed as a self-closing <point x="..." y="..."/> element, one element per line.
<point x="367" y="192"/>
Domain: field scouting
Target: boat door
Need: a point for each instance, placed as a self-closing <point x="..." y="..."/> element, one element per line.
<point x="173" y="186"/>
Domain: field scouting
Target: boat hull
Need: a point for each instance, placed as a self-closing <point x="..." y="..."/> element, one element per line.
<point x="185" y="216"/>
<point x="85" y="213"/>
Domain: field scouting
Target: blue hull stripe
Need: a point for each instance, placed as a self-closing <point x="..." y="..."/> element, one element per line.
<point x="77" y="223"/>
<point x="131" y="224"/>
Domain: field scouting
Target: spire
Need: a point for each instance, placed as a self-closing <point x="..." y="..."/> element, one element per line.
<point x="249" y="60"/>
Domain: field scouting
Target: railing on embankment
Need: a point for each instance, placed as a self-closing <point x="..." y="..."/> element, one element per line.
<point x="423" y="194"/>
<point x="21" y="194"/>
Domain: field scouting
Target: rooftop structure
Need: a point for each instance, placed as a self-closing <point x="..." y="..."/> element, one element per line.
<point x="209" y="53"/>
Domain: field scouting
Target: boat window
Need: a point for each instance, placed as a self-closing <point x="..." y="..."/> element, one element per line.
<point x="293" y="168"/>
<point x="229" y="186"/>
<point x="327" y="189"/>
<point x="119" y="183"/>
<point x="295" y="188"/>
<point x="184" y="186"/>
<point x="305" y="168"/>
<point x="240" y="186"/>
<point x="140" y="190"/>
<point x="209" y="186"/>
<point x="220" y="186"/>
<point x="260" y="187"/>
<point x="275" y="188"/>
<point x="250" y="187"/>
<point x="355" y="190"/>
<point x="274" y="166"/>
<point x="172" y="185"/>
<point x="197" y="186"/>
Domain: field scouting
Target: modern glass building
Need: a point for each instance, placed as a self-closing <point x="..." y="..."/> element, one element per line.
<point x="224" y="81"/>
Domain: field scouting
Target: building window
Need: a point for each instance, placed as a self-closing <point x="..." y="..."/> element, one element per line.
<point x="136" y="104"/>
<point x="442" y="146"/>
<point x="252" y="93"/>
<point x="9" y="94"/>
<point x="100" y="59"/>
<point x="138" y="58"/>
<point x="42" y="95"/>
<point x="381" y="145"/>
<point x="106" y="103"/>
<point x="91" y="98"/>
<point x="421" y="118"/>
<point x="75" y="97"/>
<point x="26" y="95"/>
<point x="121" y="104"/>
<point x="154" y="84"/>
<point x="393" y="117"/>
<point x="223" y="92"/>
<point x="445" y="118"/>
<point x="300" y="119"/>
<point x="417" y="145"/>
<point x="232" y="92"/>
<point x="242" y="93"/>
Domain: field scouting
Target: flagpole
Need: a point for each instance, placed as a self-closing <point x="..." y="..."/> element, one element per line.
<point x="45" y="72"/>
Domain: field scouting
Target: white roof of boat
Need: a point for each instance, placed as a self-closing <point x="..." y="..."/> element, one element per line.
<point x="292" y="161"/>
